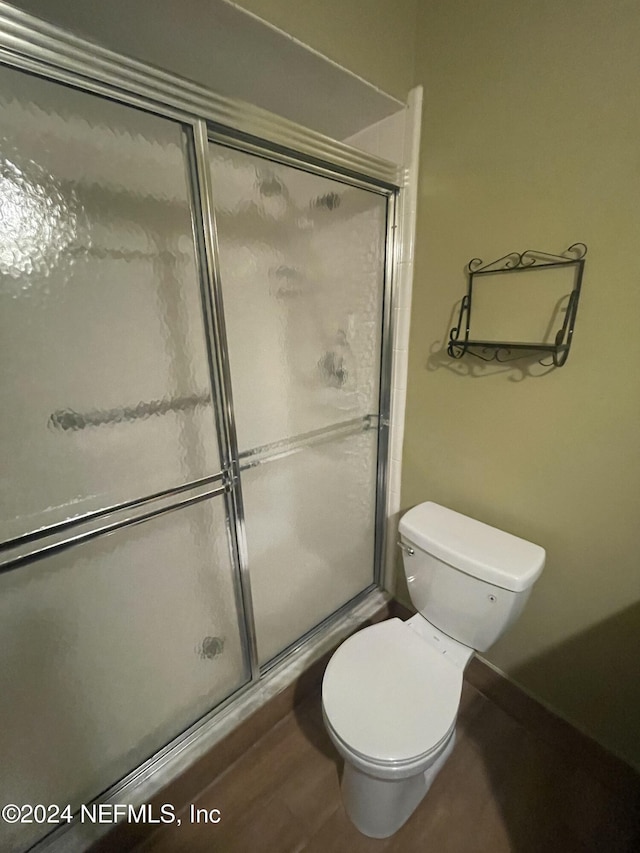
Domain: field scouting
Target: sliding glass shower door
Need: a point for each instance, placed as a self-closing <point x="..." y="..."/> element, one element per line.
<point x="120" y="622"/>
<point x="302" y="263"/>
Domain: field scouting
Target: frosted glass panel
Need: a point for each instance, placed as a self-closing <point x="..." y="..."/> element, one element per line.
<point x="310" y="533"/>
<point x="302" y="267"/>
<point x="104" y="386"/>
<point x="109" y="651"/>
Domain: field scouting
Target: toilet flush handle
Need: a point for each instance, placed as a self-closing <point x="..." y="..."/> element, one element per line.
<point x="407" y="549"/>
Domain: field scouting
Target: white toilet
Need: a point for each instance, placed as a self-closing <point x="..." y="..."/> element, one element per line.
<point x="391" y="692"/>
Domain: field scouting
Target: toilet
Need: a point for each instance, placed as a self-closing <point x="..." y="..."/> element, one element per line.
<point x="391" y="692"/>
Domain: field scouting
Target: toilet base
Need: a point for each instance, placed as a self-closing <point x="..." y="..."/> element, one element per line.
<point x="379" y="807"/>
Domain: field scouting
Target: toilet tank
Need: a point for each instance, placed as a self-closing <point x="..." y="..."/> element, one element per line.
<point x="468" y="579"/>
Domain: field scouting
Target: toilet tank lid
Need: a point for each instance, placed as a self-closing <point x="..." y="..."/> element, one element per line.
<point x="475" y="548"/>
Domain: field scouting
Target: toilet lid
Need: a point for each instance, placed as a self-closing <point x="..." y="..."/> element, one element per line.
<point x="390" y="696"/>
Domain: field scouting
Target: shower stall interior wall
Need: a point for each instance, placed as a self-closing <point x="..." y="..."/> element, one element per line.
<point x="194" y="390"/>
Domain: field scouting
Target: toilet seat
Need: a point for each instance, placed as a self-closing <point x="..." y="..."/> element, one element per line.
<point x="390" y="697"/>
<point x="386" y="768"/>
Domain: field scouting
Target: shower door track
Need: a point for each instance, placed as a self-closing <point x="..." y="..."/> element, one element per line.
<point x="36" y="47"/>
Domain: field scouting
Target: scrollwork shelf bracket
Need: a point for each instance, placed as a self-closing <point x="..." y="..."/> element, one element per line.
<point x="460" y="338"/>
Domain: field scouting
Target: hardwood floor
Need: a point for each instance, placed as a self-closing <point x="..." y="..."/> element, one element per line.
<point x="503" y="789"/>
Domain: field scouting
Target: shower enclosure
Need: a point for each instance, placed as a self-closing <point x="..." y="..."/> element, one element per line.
<point x="194" y="315"/>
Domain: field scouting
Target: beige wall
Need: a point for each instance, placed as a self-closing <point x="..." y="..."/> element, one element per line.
<point x="372" y="38"/>
<point x="531" y="140"/>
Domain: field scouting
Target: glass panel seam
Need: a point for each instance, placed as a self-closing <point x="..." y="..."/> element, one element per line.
<point x="217" y="332"/>
<point x="12" y="563"/>
<point x="136" y="503"/>
<point x="216" y="382"/>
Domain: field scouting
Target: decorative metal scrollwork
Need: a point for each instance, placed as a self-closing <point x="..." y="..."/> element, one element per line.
<point x="460" y="341"/>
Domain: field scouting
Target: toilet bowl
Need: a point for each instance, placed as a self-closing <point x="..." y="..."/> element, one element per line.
<point x="391" y="692"/>
<point x="390" y="698"/>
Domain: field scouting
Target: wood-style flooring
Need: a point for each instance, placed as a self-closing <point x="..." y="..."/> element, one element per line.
<point x="503" y="789"/>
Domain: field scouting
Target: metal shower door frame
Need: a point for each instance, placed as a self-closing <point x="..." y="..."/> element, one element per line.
<point x="33" y="46"/>
<point x="379" y="420"/>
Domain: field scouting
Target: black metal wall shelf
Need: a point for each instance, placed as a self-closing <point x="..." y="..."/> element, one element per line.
<point x="460" y="340"/>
